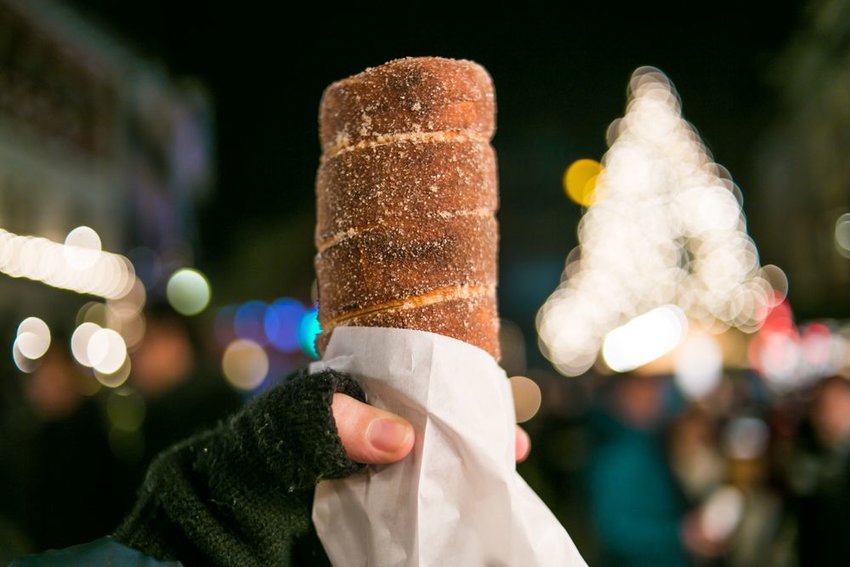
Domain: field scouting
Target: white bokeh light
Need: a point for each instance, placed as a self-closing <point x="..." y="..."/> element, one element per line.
<point x="106" y="351"/>
<point x="699" y="366"/>
<point x="644" y="338"/>
<point x="666" y="227"/>
<point x="722" y="512"/>
<point x="33" y="338"/>
<point x="82" y="248"/>
<point x="23" y="363"/>
<point x="78" y="266"/>
<point x="80" y="342"/>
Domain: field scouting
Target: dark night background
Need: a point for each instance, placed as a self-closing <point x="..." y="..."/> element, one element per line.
<point x="764" y="83"/>
<point x="560" y="76"/>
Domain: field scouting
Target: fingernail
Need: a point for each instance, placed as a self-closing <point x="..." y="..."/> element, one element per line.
<point x="388" y="434"/>
<point x="523" y="446"/>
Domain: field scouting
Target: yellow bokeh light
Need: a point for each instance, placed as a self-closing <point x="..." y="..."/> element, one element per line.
<point x="580" y="181"/>
<point x="527" y="397"/>
<point x="116" y="378"/>
<point x="245" y="364"/>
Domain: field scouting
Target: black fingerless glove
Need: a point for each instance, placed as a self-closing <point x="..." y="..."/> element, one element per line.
<point x="242" y="493"/>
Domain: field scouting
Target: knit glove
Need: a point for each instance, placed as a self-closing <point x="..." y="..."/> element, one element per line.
<point x="241" y="494"/>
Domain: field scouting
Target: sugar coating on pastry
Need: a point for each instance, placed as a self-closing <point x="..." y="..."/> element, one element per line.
<point x="411" y="98"/>
<point x="406" y="198"/>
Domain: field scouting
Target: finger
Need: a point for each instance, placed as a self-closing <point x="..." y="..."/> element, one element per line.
<point x="371" y="435"/>
<point x="523" y="444"/>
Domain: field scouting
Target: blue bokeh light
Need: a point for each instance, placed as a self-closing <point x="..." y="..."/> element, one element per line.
<point x="282" y="323"/>
<point x="249" y="321"/>
<point x="308" y="330"/>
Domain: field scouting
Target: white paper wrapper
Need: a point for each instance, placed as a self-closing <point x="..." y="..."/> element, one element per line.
<point x="457" y="498"/>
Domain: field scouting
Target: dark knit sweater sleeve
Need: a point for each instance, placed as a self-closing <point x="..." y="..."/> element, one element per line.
<point x="241" y="494"/>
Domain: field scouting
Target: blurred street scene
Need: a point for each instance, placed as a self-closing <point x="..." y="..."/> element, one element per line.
<point x="674" y="257"/>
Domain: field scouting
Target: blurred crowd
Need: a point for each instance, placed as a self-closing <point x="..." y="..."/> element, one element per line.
<point x="73" y="451"/>
<point x="740" y="477"/>
<point x="638" y="472"/>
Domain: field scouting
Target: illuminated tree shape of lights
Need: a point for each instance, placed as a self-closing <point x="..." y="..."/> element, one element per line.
<point x="666" y="227"/>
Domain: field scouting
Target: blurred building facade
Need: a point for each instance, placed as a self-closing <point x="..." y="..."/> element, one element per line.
<point x="93" y="134"/>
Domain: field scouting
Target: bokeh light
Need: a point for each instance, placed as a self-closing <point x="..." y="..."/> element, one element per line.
<point x="722" y="513"/>
<point x="92" y="312"/>
<point x="842" y="235"/>
<point x="644" y="338"/>
<point x="580" y="181"/>
<point x="82" y="248"/>
<point x="188" y="291"/>
<point x="125" y="315"/>
<point x="78" y="266"/>
<point x="117" y="377"/>
<point x="745" y="438"/>
<point x="816" y="346"/>
<point x="777" y="358"/>
<point x="23" y="363"/>
<point x="106" y="351"/>
<point x="527" y="397"/>
<point x="33" y="338"/>
<point x="281" y="323"/>
<point x="665" y="227"/>
<point x="130" y="324"/>
<point x="790" y="358"/>
<point x="698" y="366"/>
<point x="308" y="329"/>
<point x="80" y="342"/>
<point x="245" y="364"/>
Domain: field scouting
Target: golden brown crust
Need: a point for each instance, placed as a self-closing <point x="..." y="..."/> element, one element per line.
<point x="414" y="94"/>
<point x="406" y="200"/>
<point x="412" y="181"/>
<point x="386" y="264"/>
<point x="475" y="321"/>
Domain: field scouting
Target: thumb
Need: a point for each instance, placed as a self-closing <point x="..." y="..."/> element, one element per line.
<point x="371" y="435"/>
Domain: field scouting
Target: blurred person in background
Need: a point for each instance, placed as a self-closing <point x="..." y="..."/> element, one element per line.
<point x="75" y="452"/>
<point x="720" y="459"/>
<point x="242" y="493"/>
<point x="818" y="477"/>
<point x="639" y="510"/>
<point x="695" y="454"/>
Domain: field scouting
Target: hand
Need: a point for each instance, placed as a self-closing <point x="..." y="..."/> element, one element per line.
<point x="374" y="436"/>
